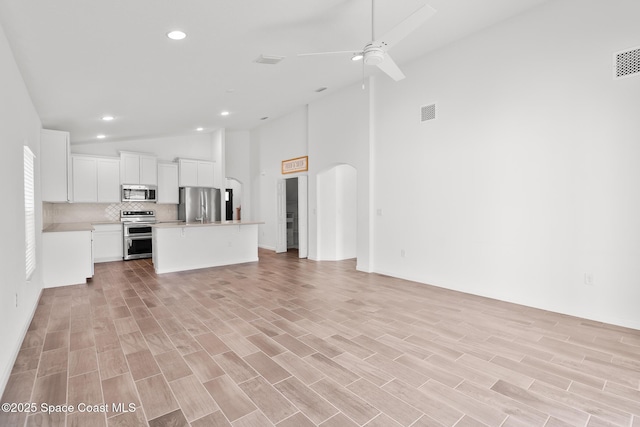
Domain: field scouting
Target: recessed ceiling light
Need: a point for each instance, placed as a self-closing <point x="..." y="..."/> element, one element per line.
<point x="199" y="129"/>
<point x="224" y="113"/>
<point x="321" y="89"/>
<point x="107" y="118"/>
<point x="264" y="118"/>
<point x="176" y="35"/>
<point x="101" y="136"/>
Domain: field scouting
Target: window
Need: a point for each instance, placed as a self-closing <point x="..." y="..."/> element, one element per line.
<point x="29" y="212"/>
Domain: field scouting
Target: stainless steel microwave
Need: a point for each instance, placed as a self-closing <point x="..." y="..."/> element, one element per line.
<point x="138" y="193"/>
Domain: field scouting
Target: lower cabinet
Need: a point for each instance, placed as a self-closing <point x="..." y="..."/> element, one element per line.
<point x="66" y="258"/>
<point x="107" y="242"/>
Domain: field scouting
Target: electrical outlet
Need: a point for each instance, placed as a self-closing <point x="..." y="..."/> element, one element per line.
<point x="588" y="279"/>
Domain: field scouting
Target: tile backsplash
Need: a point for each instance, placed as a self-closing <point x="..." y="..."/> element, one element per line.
<point x="101" y="212"/>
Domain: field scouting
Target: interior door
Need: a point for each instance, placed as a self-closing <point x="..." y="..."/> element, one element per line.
<point x="281" y="215"/>
<point x="303" y="247"/>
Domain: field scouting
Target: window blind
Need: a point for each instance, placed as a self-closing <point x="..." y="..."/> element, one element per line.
<point x="29" y="212"/>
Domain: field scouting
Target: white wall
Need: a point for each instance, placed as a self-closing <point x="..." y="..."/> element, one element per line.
<point x="339" y="133"/>
<point x="19" y="125"/>
<point x="238" y="167"/>
<point x="529" y="176"/>
<point x="281" y="139"/>
<point x="337" y="213"/>
<point x="326" y="207"/>
<point x="346" y="212"/>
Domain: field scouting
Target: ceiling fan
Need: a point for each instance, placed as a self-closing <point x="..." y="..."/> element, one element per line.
<point x="375" y="52"/>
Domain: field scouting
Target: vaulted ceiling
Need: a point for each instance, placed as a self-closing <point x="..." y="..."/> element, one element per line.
<point x="83" y="59"/>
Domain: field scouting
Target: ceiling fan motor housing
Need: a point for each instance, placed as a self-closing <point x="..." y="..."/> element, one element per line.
<point x="373" y="55"/>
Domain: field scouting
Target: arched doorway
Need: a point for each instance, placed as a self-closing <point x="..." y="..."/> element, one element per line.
<point x="233" y="199"/>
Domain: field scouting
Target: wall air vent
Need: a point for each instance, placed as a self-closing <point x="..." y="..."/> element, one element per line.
<point x="268" y="59"/>
<point x="626" y="63"/>
<point x="427" y="112"/>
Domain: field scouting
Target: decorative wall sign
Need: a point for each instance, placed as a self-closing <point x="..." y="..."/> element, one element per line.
<point x="299" y="164"/>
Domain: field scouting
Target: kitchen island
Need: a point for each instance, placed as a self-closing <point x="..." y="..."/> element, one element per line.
<point x="178" y="246"/>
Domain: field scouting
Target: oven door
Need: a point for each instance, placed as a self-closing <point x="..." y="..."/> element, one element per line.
<point x="137" y="247"/>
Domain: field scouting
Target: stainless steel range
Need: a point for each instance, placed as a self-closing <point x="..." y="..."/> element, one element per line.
<point x="137" y="233"/>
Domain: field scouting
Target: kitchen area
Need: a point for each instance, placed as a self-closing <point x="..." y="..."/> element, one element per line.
<point x="136" y="205"/>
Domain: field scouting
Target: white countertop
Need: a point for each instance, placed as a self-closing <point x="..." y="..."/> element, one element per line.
<point x="178" y="224"/>
<point x="69" y="226"/>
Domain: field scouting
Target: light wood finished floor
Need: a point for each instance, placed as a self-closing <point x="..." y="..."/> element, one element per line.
<point x="297" y="343"/>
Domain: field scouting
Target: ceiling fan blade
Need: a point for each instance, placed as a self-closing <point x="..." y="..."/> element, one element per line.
<point x="332" y="53"/>
<point x="390" y="68"/>
<point x="406" y="27"/>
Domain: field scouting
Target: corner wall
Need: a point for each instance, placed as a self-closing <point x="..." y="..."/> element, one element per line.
<point x="528" y="178"/>
<point x="19" y="125"/>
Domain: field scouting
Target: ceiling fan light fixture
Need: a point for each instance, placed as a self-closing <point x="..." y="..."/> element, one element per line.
<point x="373" y="55"/>
<point x="357" y="56"/>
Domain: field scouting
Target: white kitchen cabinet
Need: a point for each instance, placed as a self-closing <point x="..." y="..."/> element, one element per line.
<point x="206" y="174"/>
<point x="95" y="179"/>
<point x="54" y="165"/>
<point x="66" y="258"/>
<point x="138" y="168"/>
<point x="148" y="170"/>
<point x="107" y="242"/>
<point x="108" y="172"/>
<point x="168" y="191"/>
<point x="188" y="170"/>
<point x="84" y="179"/>
<point x="196" y="173"/>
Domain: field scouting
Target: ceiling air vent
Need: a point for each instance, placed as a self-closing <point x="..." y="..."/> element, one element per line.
<point x="268" y="59"/>
<point x="626" y="63"/>
<point x="427" y="112"/>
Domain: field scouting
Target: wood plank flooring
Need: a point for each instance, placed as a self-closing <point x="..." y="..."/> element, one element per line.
<point x="290" y="342"/>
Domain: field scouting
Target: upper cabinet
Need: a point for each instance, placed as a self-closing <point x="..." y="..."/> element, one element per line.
<point x="138" y="168"/>
<point x="196" y="173"/>
<point x="54" y="152"/>
<point x="95" y="179"/>
<point x="168" y="191"/>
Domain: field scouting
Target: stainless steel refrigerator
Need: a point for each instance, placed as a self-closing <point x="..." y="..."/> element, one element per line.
<point x="199" y="204"/>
